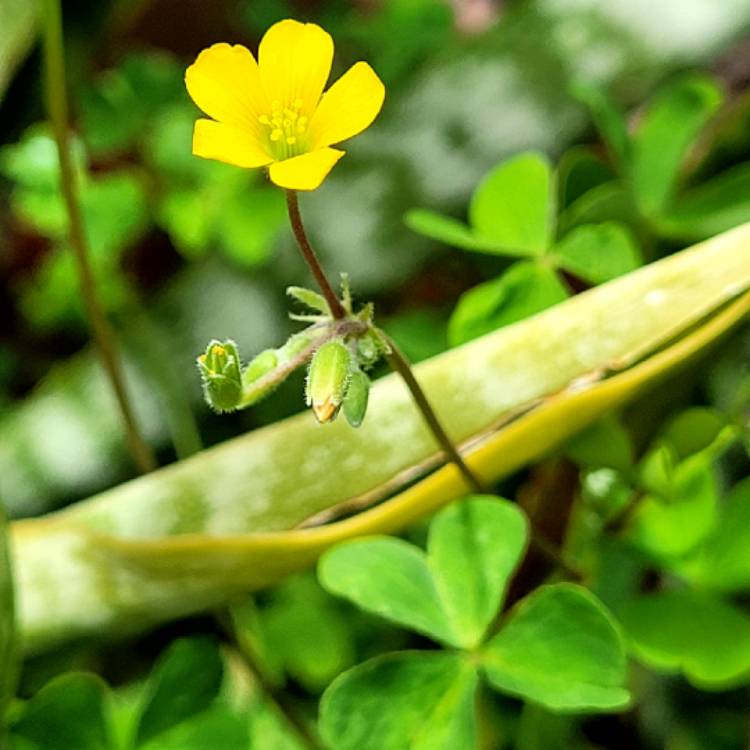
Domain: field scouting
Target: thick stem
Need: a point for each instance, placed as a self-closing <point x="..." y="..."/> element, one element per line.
<point x="57" y="105"/>
<point x="400" y="364"/>
<point x="334" y="303"/>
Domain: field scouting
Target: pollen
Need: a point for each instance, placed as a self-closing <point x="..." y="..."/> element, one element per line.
<point x="285" y="127"/>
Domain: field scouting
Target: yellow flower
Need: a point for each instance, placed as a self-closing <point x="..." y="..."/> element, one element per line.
<point x="273" y="113"/>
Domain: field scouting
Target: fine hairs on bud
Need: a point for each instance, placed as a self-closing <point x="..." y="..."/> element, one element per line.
<point x="328" y="379"/>
<point x="220" y="370"/>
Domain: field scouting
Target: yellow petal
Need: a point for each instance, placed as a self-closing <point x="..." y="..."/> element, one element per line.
<point x="228" y="143"/>
<point x="304" y="172"/>
<point x="225" y="83"/>
<point x="295" y="60"/>
<point x="348" y="107"/>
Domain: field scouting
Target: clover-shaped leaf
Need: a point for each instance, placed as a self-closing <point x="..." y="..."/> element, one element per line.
<point x="416" y="700"/>
<point x="668" y="129"/>
<point x="723" y="563"/>
<point x="559" y="648"/>
<point x="451" y="593"/>
<point x="184" y="682"/>
<point x="608" y="119"/>
<point x="696" y="633"/>
<point x="598" y="252"/>
<point x="46" y="718"/>
<point x="512" y="211"/>
<point x="514" y="205"/>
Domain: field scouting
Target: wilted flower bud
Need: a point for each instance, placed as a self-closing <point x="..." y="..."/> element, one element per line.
<point x="355" y="401"/>
<point x="222" y="379"/>
<point x="328" y="379"/>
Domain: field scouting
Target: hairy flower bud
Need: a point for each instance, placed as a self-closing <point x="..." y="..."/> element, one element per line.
<point x="222" y="379"/>
<point x="328" y="380"/>
<point x="355" y="401"/>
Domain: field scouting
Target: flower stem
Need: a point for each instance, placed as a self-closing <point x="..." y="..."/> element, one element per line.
<point x="334" y="303"/>
<point x="57" y="105"/>
<point x="398" y="362"/>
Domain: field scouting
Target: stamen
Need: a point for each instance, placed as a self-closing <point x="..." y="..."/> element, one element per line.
<point x="285" y="126"/>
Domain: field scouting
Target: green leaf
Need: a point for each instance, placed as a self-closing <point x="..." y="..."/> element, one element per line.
<point x="608" y="119"/>
<point x="668" y="129"/>
<point x="454" y="233"/>
<point x="692" y="632"/>
<point x="33" y="162"/>
<point x="474" y="546"/>
<point x="598" y="252"/>
<point x="695" y="430"/>
<point x="560" y="648"/>
<point x="218" y="728"/>
<point x="182" y="214"/>
<point x="605" y="444"/>
<point x="715" y="206"/>
<point x="309" y="298"/>
<point x="525" y="288"/>
<point x="390" y="578"/>
<point x="121" y="104"/>
<point x="68" y="713"/>
<point x="579" y="171"/>
<point x="723" y="562"/>
<point x="184" y="682"/>
<point x="451" y="594"/>
<point x="420" y="332"/>
<point x="514" y="205"/>
<point x="404" y="701"/>
<point x="670" y="529"/>
<point x="609" y="201"/>
<point x="307" y="633"/>
<point x="269" y="729"/>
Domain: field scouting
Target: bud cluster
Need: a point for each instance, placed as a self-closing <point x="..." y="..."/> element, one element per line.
<point x="338" y="351"/>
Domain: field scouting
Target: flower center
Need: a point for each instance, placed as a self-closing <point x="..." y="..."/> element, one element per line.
<point x="285" y="129"/>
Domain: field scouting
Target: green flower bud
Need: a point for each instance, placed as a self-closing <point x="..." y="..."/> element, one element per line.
<point x="220" y="371"/>
<point x="369" y="349"/>
<point x="328" y="379"/>
<point x="355" y="401"/>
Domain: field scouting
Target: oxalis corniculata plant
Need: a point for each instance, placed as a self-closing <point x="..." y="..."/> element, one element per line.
<point x="556" y="647"/>
<point x="273" y="114"/>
